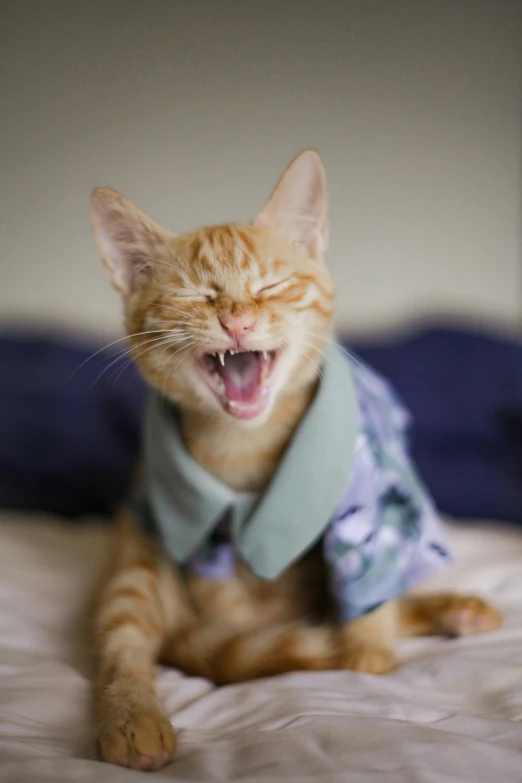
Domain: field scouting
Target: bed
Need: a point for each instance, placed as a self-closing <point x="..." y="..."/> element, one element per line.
<point x="69" y="436"/>
<point x="452" y="712"/>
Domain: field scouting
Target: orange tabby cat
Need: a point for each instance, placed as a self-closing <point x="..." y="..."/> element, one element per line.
<point x="264" y="285"/>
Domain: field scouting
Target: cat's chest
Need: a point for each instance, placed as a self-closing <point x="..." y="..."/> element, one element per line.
<point x="244" y="459"/>
<point x="242" y="471"/>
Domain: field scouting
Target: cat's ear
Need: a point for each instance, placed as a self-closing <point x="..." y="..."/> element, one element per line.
<point x="128" y="240"/>
<point x="298" y="207"/>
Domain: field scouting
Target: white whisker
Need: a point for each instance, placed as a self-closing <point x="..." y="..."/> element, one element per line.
<point x="114" y="342"/>
<point x="166" y="342"/>
<point x="189" y="316"/>
<point x="315" y="364"/>
<point x="127" y="351"/>
<point x="329" y="339"/>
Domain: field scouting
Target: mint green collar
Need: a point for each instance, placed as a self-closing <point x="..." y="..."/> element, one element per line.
<point x="272" y="530"/>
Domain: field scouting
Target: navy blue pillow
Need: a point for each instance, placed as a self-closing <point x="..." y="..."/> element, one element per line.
<point x="70" y="433"/>
<point x="67" y="442"/>
<point x="464" y="389"/>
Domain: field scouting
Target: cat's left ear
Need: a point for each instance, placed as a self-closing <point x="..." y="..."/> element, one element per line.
<point x="127" y="239"/>
<point x="298" y="207"/>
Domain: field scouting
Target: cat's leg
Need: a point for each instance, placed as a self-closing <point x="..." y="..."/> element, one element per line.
<point x="446" y="614"/>
<point x="225" y="655"/>
<point x="368" y="643"/>
<point x="221" y="653"/>
<point x="142" y="600"/>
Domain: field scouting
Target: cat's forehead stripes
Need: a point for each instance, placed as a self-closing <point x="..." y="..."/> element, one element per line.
<point x="226" y="252"/>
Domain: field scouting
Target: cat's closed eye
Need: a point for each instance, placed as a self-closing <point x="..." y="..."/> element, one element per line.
<point x="272" y="287"/>
<point x="207" y="295"/>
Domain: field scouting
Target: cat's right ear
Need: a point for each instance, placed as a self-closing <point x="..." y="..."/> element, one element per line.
<point x="128" y="240"/>
<point x="298" y="207"/>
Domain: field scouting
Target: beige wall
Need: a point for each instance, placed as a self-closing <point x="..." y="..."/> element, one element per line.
<point x="192" y="109"/>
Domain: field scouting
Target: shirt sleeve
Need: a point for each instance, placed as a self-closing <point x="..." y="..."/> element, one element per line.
<point x="386" y="535"/>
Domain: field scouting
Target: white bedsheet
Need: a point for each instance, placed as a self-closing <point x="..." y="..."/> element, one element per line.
<point x="453" y="712"/>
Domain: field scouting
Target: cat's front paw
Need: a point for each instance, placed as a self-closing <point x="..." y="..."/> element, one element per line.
<point x="136" y="737"/>
<point x="463" y="615"/>
<point x="368" y="658"/>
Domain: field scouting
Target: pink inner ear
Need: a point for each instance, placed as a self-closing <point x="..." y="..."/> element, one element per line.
<point x="260" y="222"/>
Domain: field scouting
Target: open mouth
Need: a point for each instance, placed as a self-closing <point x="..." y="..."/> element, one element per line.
<point x="241" y="380"/>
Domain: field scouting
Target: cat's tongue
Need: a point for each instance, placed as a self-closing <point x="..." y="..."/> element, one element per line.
<point x="241" y="375"/>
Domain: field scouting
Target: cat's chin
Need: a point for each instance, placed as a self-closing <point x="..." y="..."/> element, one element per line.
<point x="247" y="412"/>
<point x="242" y="381"/>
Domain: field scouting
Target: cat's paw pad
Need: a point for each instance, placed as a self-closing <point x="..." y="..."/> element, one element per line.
<point x="137" y="739"/>
<point x="467" y="615"/>
<point x="367" y="658"/>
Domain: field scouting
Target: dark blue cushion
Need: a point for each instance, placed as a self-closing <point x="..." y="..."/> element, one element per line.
<point x="464" y="389"/>
<point x="67" y="440"/>
<point x="70" y="429"/>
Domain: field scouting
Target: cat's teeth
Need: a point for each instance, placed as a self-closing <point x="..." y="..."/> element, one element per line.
<point x="265" y="356"/>
<point x="222" y="358"/>
<point x="232" y="353"/>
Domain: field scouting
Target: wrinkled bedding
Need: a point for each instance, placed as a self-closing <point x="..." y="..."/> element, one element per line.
<point x="453" y="712"/>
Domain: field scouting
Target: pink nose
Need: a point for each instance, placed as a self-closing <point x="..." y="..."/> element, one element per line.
<point x="237" y="324"/>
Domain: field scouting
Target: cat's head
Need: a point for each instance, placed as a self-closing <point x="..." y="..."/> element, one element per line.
<point x="227" y="318"/>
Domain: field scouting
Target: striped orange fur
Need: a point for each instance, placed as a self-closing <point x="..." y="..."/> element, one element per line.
<point x="175" y="289"/>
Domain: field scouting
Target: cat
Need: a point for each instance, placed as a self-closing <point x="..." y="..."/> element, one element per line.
<point x="230" y="325"/>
